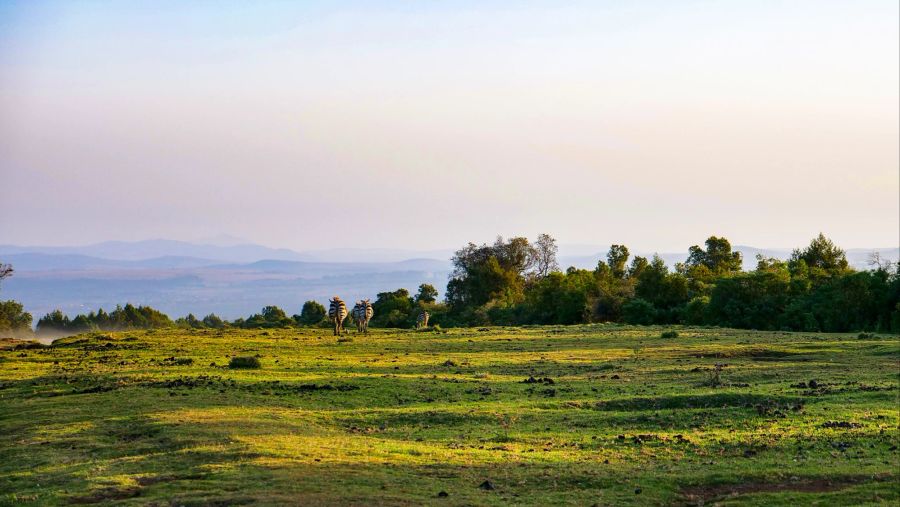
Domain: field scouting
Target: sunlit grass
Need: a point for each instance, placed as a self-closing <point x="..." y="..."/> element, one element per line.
<point x="548" y="415"/>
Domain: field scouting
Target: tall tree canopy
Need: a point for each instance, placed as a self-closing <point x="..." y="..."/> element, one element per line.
<point x="822" y="254"/>
<point x="427" y="294"/>
<point x="497" y="273"/>
<point x="717" y="258"/>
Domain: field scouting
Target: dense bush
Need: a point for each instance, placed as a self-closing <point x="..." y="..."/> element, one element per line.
<point x="639" y="311"/>
<point x="311" y="314"/>
<point x="393" y="309"/>
<point x="269" y="317"/>
<point x="244" y="362"/>
<point x="213" y="321"/>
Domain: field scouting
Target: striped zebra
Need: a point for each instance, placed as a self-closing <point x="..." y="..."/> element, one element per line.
<point x="337" y="312"/>
<point x="362" y="313"/>
<point x="358" y="314"/>
<point x="422" y="321"/>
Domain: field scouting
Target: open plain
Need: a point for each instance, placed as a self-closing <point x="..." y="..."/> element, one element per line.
<point x="576" y="415"/>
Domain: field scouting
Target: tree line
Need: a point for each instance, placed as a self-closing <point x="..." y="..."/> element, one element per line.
<point x="517" y="282"/>
<point x="507" y="283"/>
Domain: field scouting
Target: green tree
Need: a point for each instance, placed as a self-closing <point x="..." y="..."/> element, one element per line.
<point x="718" y="258"/>
<point x="561" y="298"/>
<point x="136" y="317"/>
<point x="270" y="316"/>
<point x="617" y="258"/>
<point x="427" y="294"/>
<point x="54" y="322"/>
<point x="489" y="273"/>
<point x="695" y="310"/>
<point x="190" y="321"/>
<point x="14" y="319"/>
<point x="639" y="311"/>
<point x="213" y="321"/>
<point x="638" y="265"/>
<point x="667" y="292"/>
<point x="311" y="314"/>
<point x="393" y="309"/>
<point x="614" y="285"/>
<point x="753" y="300"/>
<point x="84" y="324"/>
<point x="821" y="254"/>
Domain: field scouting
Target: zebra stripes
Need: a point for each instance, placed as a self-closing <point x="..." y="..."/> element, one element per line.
<point x="337" y="312"/>
<point x="362" y="313"/>
<point x="422" y="321"/>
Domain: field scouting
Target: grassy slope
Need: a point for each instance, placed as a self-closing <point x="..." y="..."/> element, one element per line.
<point x="397" y="417"/>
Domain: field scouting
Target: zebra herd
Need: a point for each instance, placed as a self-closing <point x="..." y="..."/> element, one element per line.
<point x="361" y="314"/>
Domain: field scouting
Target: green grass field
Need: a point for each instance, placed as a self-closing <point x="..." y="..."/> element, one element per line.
<point x="579" y="415"/>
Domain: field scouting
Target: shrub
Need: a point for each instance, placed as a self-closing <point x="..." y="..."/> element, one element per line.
<point x="312" y="313"/>
<point x="695" y="311"/>
<point x="669" y="334"/>
<point x="639" y="311"/>
<point x="714" y="378"/>
<point x="214" y="321"/>
<point x="244" y="362"/>
<point x="271" y="316"/>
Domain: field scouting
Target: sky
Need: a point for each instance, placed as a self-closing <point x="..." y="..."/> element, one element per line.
<point x="426" y="125"/>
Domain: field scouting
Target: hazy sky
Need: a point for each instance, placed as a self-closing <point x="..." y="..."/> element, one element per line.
<point x="429" y="124"/>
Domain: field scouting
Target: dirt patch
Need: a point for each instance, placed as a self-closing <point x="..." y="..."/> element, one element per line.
<point x="305" y="388"/>
<point x="841" y="424"/>
<point x="102" y="495"/>
<point x="150" y="480"/>
<point x="700" y="495"/>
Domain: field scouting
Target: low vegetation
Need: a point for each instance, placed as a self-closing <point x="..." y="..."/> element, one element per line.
<point x="537" y="415"/>
<point x="244" y="362"/>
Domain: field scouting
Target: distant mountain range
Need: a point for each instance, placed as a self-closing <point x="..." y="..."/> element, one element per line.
<point x="219" y="252"/>
<point x="156" y="248"/>
<point x="234" y="278"/>
<point x="164" y="253"/>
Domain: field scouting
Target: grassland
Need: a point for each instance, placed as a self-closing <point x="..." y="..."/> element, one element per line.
<point x="580" y="415"/>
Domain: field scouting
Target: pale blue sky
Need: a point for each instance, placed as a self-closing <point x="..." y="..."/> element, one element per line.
<point x="429" y="124"/>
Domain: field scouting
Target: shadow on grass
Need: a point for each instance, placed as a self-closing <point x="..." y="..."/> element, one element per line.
<point x="709" y="400"/>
